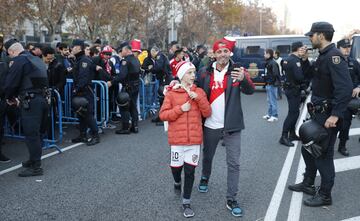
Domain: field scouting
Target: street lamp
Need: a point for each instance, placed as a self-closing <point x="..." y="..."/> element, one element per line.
<point x="261" y="11"/>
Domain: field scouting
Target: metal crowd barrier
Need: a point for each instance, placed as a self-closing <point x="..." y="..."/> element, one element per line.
<point x="56" y="133"/>
<point x="149" y="98"/>
<point x="101" y="99"/>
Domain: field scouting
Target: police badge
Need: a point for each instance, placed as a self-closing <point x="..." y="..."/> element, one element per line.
<point x="84" y="64"/>
<point x="158" y="57"/>
<point x="298" y="64"/>
<point x="123" y="62"/>
<point x="336" y="59"/>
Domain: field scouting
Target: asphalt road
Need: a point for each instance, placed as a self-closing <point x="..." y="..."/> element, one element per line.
<point x="128" y="178"/>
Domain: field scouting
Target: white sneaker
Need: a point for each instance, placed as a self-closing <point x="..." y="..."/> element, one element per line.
<point x="272" y="119"/>
<point x="266" y="117"/>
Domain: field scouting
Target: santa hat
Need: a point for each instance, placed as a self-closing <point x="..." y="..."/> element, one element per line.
<point x="223" y="43"/>
<point x="136" y="45"/>
<point x="182" y="67"/>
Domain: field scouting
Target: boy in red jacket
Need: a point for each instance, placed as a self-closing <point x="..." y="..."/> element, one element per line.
<point x="183" y="107"/>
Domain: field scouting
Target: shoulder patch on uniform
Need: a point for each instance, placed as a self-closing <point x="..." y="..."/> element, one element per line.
<point x="158" y="57"/>
<point x="336" y="59"/>
<point x="298" y="64"/>
<point x="84" y="64"/>
<point x="123" y="62"/>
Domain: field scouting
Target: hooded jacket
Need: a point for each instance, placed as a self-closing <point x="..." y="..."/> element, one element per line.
<point x="185" y="128"/>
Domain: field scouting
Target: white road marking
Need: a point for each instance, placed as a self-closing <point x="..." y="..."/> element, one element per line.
<point x="356" y="218"/>
<point x="43" y="157"/>
<point x="343" y="164"/>
<point x="275" y="202"/>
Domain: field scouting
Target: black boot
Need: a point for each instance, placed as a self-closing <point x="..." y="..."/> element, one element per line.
<point x="80" y="138"/>
<point x="27" y="164"/>
<point x="306" y="186"/>
<point x="156" y="119"/>
<point x="342" y="148"/>
<point x="320" y="199"/>
<point x="134" y="127"/>
<point x="33" y="170"/>
<point x="3" y="158"/>
<point x="293" y="136"/>
<point x="94" y="139"/>
<point x="125" y="129"/>
<point x="284" y="140"/>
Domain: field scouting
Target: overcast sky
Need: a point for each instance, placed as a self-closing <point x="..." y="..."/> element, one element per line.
<point x="343" y="14"/>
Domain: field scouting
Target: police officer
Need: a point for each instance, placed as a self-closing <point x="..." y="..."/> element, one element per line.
<point x="25" y="85"/>
<point x="332" y="87"/>
<point x="162" y="71"/>
<point x="294" y="76"/>
<point x="84" y="72"/>
<point x="130" y="78"/>
<point x="354" y="69"/>
<point x="3" y="105"/>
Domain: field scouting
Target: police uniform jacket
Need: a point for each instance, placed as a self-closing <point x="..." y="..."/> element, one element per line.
<point x="27" y="73"/>
<point x="354" y="69"/>
<point x="84" y="72"/>
<point x="162" y="68"/>
<point x="293" y="71"/>
<point x="56" y="75"/>
<point x="129" y="71"/>
<point x="331" y="80"/>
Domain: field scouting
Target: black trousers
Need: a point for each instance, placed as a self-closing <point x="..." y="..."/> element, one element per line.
<point x="325" y="163"/>
<point x="131" y="111"/>
<point x="34" y="124"/>
<point x="345" y="127"/>
<point x="88" y="120"/>
<point x="2" y="120"/>
<point x="294" y="101"/>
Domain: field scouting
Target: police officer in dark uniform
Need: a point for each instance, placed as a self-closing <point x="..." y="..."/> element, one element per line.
<point x="294" y="76"/>
<point x="354" y="69"/>
<point x="332" y="87"/>
<point x="84" y="72"/>
<point x="130" y="79"/>
<point x="3" y="105"/>
<point x="26" y="85"/>
<point x="162" y="71"/>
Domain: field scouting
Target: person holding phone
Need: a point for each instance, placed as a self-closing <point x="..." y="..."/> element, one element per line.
<point x="223" y="83"/>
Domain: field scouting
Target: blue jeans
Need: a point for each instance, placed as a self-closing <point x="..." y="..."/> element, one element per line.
<point x="271" y="92"/>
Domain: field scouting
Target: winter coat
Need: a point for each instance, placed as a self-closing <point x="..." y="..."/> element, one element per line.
<point x="185" y="128"/>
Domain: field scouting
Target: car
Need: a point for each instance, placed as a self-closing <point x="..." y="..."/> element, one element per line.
<point x="249" y="51"/>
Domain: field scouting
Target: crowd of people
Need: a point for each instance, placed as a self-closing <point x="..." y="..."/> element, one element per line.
<point x="200" y="99"/>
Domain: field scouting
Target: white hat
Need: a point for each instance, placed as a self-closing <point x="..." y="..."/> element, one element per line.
<point x="182" y="68"/>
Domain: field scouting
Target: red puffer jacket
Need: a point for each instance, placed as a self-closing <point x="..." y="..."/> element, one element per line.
<point x="185" y="128"/>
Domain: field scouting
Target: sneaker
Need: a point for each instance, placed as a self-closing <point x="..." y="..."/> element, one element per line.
<point x="110" y="126"/>
<point x="272" y="119"/>
<point x="188" y="212"/>
<point x="234" y="207"/>
<point x="31" y="172"/>
<point x="266" y="117"/>
<point x="203" y="185"/>
<point x="4" y="159"/>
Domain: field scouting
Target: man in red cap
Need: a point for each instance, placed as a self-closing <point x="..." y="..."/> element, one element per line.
<point x="223" y="83"/>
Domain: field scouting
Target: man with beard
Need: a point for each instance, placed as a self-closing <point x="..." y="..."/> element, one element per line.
<point x="223" y="83"/>
<point x="331" y="87"/>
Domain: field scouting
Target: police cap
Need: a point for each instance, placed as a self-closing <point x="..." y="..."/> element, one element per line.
<point x="296" y="45"/>
<point x="9" y="43"/>
<point x="122" y="45"/>
<point x="78" y="42"/>
<point x="344" y="43"/>
<point x="320" y="27"/>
